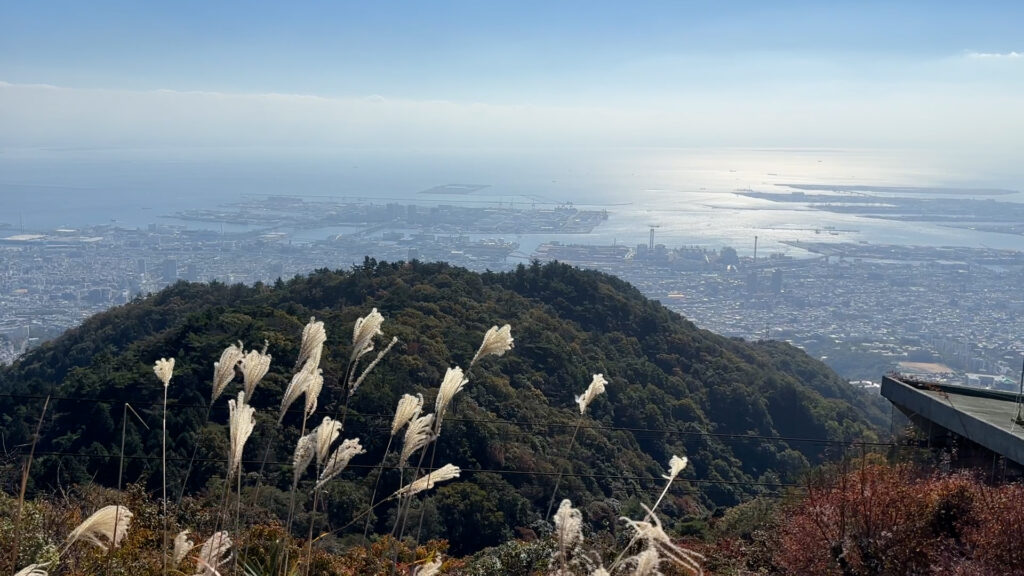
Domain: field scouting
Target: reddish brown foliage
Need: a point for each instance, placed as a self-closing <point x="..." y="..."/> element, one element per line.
<point x="881" y="519"/>
<point x="999" y="541"/>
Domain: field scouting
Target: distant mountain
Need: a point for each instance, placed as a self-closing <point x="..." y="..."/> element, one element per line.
<point x="673" y="389"/>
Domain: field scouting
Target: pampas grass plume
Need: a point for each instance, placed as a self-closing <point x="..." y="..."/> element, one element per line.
<point x="363" y="333"/>
<point x="453" y="382"/>
<point x="242" y="420"/>
<point x="568" y="533"/>
<point x="409" y="407"/>
<point x="215" y="553"/>
<point x="182" y="546"/>
<point x="647" y="563"/>
<point x="164" y="369"/>
<point x="326" y="433"/>
<point x="417" y="435"/>
<point x="339" y="460"/>
<point x="254" y="367"/>
<point x="297" y="387"/>
<point x="568" y="525"/>
<point x="380" y="355"/>
<point x="430" y="568"/>
<point x="656" y="538"/>
<point x="596" y="388"/>
<point x="105" y="528"/>
<point x="313" y="338"/>
<point x="675" y="465"/>
<point x="314" y="385"/>
<point x="497" y="341"/>
<point x="305" y="448"/>
<point x="32" y="570"/>
<point x="224" y="369"/>
<point x="443" y="474"/>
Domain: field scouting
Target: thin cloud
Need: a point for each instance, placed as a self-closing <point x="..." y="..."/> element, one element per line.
<point x="32" y="115"/>
<point x="996" y="55"/>
<point x="899" y="116"/>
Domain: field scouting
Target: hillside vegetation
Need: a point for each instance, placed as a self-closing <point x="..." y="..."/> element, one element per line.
<point x="673" y="389"/>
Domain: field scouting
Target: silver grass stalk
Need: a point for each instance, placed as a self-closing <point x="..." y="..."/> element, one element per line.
<point x="430" y="568"/>
<point x="568" y="526"/>
<point x="33" y="570"/>
<point x="409" y="407"/>
<point x="363" y="333"/>
<point x="497" y="341"/>
<point x="600" y="571"/>
<point x="339" y="460"/>
<point x="105" y="528"/>
<point x="646" y="562"/>
<point x="568" y="532"/>
<point x="182" y="546"/>
<point x="205" y="569"/>
<point x="655" y="537"/>
<point x="596" y="388"/>
<point x="305" y="449"/>
<point x="313" y="338"/>
<point x="417" y="435"/>
<point x="254" y="367"/>
<point x="676" y="465"/>
<point x="326" y="433"/>
<point x="313" y="388"/>
<point x="443" y="474"/>
<point x="215" y="553"/>
<point x="224" y="369"/>
<point x="453" y="382"/>
<point x="242" y="420"/>
<point x="297" y="387"/>
<point x="381" y="354"/>
<point x="164" y="369"/>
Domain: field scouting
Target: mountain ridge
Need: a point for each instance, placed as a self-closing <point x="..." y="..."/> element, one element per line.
<point x="673" y="388"/>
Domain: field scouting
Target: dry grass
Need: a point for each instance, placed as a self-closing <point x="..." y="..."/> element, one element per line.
<point x="111" y="526"/>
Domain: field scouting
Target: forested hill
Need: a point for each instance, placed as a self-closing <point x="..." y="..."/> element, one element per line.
<point x="673" y="389"/>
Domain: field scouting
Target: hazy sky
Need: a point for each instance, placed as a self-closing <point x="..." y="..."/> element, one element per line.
<point x="940" y="75"/>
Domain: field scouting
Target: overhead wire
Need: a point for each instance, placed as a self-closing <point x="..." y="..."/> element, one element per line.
<point x="498" y="471"/>
<point x="519" y="423"/>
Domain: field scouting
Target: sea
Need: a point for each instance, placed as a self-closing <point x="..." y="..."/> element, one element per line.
<point x="688" y="197"/>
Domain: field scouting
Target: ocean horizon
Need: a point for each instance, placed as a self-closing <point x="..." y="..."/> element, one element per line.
<point x="688" y="195"/>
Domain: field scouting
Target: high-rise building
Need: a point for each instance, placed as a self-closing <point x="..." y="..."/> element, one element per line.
<point x="170" y="270"/>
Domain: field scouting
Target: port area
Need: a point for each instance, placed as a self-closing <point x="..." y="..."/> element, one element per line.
<point x="292" y="212"/>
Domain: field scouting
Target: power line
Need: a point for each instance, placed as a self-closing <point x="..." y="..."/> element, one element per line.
<point x="502" y="472"/>
<point x="519" y="423"/>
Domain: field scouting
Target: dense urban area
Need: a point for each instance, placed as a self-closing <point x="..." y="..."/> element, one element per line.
<point x="949" y="313"/>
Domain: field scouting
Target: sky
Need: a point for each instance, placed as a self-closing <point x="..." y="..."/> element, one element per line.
<point x="943" y="76"/>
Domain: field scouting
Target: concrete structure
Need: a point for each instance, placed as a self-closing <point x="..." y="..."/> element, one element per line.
<point x="981" y="424"/>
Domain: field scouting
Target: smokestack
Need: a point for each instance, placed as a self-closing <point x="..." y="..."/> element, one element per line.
<point x="755" y="249"/>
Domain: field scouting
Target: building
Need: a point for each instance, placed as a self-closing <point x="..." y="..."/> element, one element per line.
<point x="170" y="270"/>
<point x="982" y="428"/>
